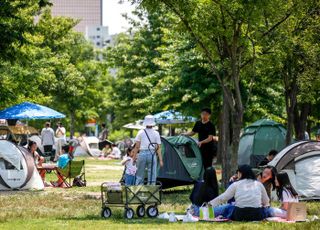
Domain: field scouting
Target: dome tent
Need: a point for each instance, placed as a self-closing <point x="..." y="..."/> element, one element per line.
<point x="301" y="161"/>
<point x="182" y="162"/>
<point x="258" y="139"/>
<point x="17" y="168"/>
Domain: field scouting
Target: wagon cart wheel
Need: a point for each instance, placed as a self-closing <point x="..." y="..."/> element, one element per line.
<point x="141" y="211"/>
<point x="128" y="213"/>
<point x="106" y="212"/>
<point x="152" y="211"/>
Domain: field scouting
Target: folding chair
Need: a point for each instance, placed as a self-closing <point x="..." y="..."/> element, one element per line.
<point x="72" y="170"/>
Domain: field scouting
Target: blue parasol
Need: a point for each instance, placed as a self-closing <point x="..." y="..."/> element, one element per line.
<point x="173" y="117"/>
<point x="29" y="111"/>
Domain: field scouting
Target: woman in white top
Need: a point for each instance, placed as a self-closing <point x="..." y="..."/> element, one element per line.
<point x="250" y="197"/>
<point x="148" y="144"/>
<point x="286" y="194"/>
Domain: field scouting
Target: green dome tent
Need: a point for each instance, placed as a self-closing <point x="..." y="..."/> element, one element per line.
<point x="258" y="139"/>
<point x="182" y="162"/>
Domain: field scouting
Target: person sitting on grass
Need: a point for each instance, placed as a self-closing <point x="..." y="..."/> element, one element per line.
<point x="250" y="197"/>
<point x="115" y="153"/>
<point x="267" y="178"/>
<point x="204" y="191"/>
<point x="106" y="151"/>
<point x="286" y="194"/>
<point x="130" y="167"/>
<point x="62" y="162"/>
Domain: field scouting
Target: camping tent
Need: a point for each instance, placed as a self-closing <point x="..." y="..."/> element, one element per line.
<point x="301" y="161"/>
<point x="258" y="139"/>
<point x="87" y="146"/>
<point x="17" y="168"/>
<point x="182" y="161"/>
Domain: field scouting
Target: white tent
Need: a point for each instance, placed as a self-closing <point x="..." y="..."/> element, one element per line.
<point x="17" y="168"/>
<point x="301" y="161"/>
<point x="88" y="146"/>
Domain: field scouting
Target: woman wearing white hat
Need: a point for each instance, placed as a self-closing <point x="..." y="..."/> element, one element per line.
<point x="148" y="144"/>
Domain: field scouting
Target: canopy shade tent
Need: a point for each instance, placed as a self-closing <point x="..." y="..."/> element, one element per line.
<point x="172" y="117"/>
<point x="29" y="111"/>
<point x="135" y="125"/>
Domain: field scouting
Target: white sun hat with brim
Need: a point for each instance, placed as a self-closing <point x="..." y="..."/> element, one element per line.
<point x="149" y="121"/>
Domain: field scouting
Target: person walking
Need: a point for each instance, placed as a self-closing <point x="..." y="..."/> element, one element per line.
<point x="148" y="144"/>
<point x="47" y="138"/>
<point x="103" y="135"/>
<point x="207" y="137"/>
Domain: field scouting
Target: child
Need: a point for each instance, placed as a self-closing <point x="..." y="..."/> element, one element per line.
<point x="286" y="194"/>
<point x="130" y="167"/>
<point x="62" y="162"/>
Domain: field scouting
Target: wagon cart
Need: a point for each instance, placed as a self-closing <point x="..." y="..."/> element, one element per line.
<point x="145" y="197"/>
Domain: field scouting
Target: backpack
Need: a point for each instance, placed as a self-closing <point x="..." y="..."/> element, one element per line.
<point x="79" y="182"/>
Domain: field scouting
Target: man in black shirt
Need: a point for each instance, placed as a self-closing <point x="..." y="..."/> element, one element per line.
<point x="207" y="137"/>
<point x="268" y="158"/>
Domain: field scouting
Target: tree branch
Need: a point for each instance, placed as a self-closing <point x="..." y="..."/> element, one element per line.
<point x="205" y="49"/>
<point x="276" y="25"/>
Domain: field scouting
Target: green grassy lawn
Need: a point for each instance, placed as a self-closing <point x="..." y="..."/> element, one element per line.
<point x="79" y="208"/>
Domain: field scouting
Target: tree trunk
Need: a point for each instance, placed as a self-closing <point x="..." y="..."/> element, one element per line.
<point x="300" y="120"/>
<point x="224" y="142"/>
<point x="290" y="122"/>
<point x="291" y="102"/>
<point x="237" y="121"/>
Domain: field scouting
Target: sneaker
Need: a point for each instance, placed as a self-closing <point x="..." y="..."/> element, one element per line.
<point x="164" y="216"/>
<point x="189" y="218"/>
<point x="172" y="217"/>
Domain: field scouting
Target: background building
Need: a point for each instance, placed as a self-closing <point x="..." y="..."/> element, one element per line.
<point x="98" y="35"/>
<point x="89" y="12"/>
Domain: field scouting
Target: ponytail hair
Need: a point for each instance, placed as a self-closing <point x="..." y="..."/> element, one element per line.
<point x="284" y="184"/>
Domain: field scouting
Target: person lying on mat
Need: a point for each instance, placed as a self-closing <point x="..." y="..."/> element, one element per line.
<point x="250" y="197"/>
<point x="62" y="162"/>
<point x="204" y="191"/>
<point x="286" y="194"/>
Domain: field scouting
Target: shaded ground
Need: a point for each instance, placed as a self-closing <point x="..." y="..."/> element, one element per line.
<point x="79" y="208"/>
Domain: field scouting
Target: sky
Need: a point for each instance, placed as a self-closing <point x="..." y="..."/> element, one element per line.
<point x="112" y="18"/>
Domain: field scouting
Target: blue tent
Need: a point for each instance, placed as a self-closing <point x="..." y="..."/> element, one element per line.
<point x="29" y="111"/>
<point x="172" y="117"/>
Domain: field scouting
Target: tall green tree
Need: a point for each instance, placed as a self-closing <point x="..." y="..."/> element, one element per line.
<point x="78" y="88"/>
<point x="294" y="62"/>
<point x="16" y="22"/>
<point x="230" y="35"/>
<point x="137" y="72"/>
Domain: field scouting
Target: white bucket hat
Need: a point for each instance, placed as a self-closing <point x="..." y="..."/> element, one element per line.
<point x="149" y="121"/>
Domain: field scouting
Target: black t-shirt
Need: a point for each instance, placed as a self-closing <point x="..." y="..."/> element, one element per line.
<point x="204" y="130"/>
<point x="264" y="162"/>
